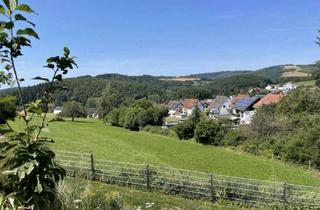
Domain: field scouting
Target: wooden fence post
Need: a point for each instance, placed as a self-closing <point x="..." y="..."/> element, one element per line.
<point x="148" y="178"/>
<point x="284" y="194"/>
<point x="92" y="167"/>
<point x="309" y="165"/>
<point x="211" y="189"/>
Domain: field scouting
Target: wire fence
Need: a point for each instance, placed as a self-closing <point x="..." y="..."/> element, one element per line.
<point x="191" y="184"/>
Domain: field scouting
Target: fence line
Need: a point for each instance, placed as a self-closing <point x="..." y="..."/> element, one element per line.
<point x="190" y="184"/>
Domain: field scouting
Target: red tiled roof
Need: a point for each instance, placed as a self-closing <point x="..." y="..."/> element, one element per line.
<point x="190" y="103"/>
<point x="271" y="98"/>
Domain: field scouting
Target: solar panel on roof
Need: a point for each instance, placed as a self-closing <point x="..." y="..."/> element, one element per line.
<point x="243" y="104"/>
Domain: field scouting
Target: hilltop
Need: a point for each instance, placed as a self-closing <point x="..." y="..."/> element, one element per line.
<point x="272" y="72"/>
<point x="161" y="89"/>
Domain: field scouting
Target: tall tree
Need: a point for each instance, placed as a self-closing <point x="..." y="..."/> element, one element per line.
<point x="73" y="109"/>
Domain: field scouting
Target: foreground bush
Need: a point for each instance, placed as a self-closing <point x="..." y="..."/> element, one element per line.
<point x="86" y="198"/>
<point x="160" y="130"/>
<point x="209" y="131"/>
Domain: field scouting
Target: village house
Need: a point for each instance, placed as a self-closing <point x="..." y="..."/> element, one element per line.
<point x="286" y="88"/>
<point x="220" y="107"/>
<point x="57" y="110"/>
<point x="234" y="101"/>
<point x="92" y="113"/>
<point x="271" y="98"/>
<point x="175" y="109"/>
<point x="189" y="106"/>
<point x="245" y="110"/>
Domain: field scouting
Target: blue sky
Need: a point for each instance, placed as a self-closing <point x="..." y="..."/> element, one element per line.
<point x="173" y="37"/>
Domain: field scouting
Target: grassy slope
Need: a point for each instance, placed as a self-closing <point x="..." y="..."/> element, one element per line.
<point x="309" y="83"/>
<point x="122" y="145"/>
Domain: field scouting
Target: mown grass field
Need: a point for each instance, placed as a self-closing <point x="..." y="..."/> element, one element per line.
<point x="118" y="144"/>
<point x="309" y="83"/>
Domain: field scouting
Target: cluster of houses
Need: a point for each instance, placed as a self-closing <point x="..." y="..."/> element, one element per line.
<point x="240" y="108"/>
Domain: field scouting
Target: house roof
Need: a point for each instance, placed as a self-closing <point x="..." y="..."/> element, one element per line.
<point x="237" y="98"/>
<point x="246" y="103"/>
<point x="172" y="105"/>
<point x="271" y="98"/>
<point x="190" y="103"/>
<point x="91" y="111"/>
<point x="217" y="102"/>
<point x="58" y="108"/>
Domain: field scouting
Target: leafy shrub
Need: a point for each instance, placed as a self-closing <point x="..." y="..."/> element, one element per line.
<point x="160" y="130"/>
<point x="233" y="138"/>
<point x="56" y="119"/>
<point x="185" y="130"/>
<point x="83" y="198"/>
<point x="137" y="114"/>
<point x="209" y="131"/>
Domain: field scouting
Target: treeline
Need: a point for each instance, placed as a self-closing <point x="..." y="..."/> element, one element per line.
<point x="87" y="88"/>
<point x="203" y="129"/>
<point x="135" y="115"/>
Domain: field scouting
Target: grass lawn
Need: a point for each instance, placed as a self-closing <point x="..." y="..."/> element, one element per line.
<point x="118" y="144"/>
<point x="310" y="83"/>
<point x="133" y="198"/>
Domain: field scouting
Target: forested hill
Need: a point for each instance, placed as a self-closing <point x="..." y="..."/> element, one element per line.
<point x="86" y="89"/>
<point x="272" y="72"/>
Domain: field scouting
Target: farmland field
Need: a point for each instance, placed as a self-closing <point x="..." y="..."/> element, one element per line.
<point x="309" y="83"/>
<point x="118" y="144"/>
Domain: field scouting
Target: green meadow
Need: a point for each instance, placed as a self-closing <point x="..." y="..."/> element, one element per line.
<point x="118" y="144"/>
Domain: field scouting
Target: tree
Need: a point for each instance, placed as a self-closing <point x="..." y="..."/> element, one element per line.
<point x="113" y="117"/>
<point x="73" y="109"/>
<point x="209" y="131"/>
<point x="131" y="120"/>
<point x="185" y="130"/>
<point x="7" y="110"/>
<point x="196" y="115"/>
<point x="29" y="174"/>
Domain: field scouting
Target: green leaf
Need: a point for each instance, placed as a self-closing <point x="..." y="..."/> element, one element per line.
<point x="29" y="32"/>
<point x="10" y="172"/>
<point x="20" y="17"/>
<point x="58" y="77"/>
<point x="2" y="10"/>
<point x="38" y="187"/>
<point x="9" y="25"/>
<point x="25" y="8"/>
<point x="10" y="4"/>
<point x="50" y="66"/>
<point x="41" y="78"/>
<point x="66" y="51"/>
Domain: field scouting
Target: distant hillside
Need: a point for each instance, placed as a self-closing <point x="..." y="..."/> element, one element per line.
<point x="276" y="72"/>
<point x="272" y="72"/>
<point x="164" y="88"/>
<point x="219" y="75"/>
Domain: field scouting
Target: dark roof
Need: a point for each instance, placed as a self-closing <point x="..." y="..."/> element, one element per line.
<point x="246" y="103"/>
<point x="91" y="111"/>
<point x="237" y="98"/>
<point x="217" y="102"/>
<point x="172" y="105"/>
